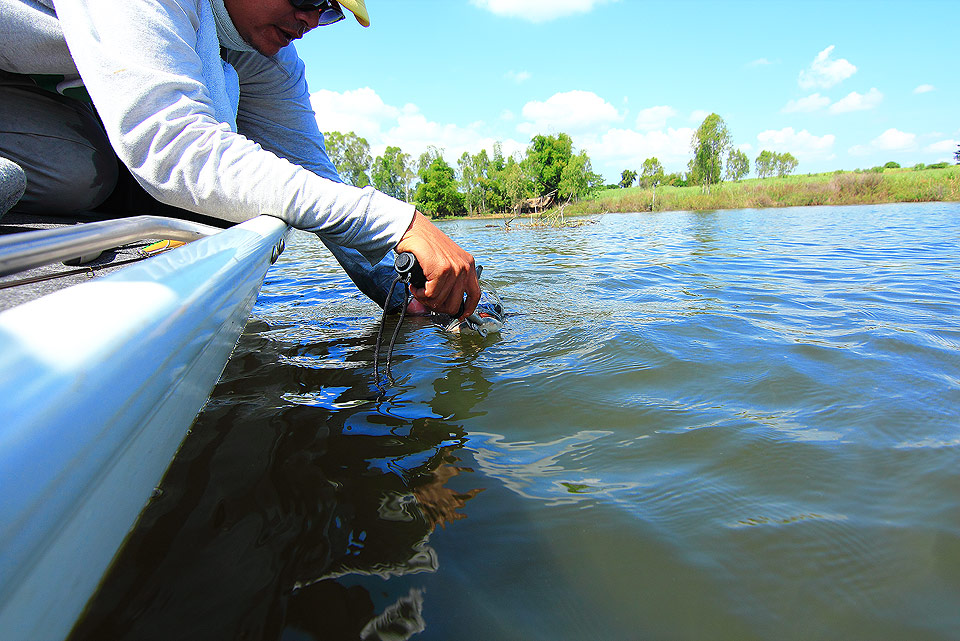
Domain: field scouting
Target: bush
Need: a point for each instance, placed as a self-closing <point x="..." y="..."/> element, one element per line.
<point x="856" y="187"/>
<point x="892" y="165"/>
<point x="939" y="165"/>
<point x="919" y="167"/>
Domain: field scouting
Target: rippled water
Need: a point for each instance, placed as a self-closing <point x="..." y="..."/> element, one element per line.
<point x="728" y="425"/>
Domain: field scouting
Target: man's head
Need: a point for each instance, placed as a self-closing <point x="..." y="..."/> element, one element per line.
<point x="270" y="25"/>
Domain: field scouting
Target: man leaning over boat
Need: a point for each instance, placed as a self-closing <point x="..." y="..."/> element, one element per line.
<point x="206" y="106"/>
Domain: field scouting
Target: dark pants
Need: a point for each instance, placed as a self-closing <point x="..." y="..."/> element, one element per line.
<point x="60" y="145"/>
<point x="66" y="158"/>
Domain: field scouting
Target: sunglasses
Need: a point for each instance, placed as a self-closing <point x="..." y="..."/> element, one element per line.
<point x="330" y="11"/>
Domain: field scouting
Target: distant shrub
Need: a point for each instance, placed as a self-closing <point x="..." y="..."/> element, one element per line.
<point x="939" y="165"/>
<point x="876" y="170"/>
<point x="892" y="165"/>
<point x="919" y="167"/>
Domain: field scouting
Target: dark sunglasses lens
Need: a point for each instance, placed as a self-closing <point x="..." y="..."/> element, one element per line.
<point x="330" y="12"/>
<point x="331" y="15"/>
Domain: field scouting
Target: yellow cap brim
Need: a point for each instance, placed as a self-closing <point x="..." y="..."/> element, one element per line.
<point x="358" y="9"/>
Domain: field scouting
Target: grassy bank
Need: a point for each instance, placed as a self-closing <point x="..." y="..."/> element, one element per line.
<point x="838" y="188"/>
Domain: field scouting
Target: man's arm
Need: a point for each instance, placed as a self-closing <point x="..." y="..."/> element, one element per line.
<point x="140" y="63"/>
<point x="275" y="110"/>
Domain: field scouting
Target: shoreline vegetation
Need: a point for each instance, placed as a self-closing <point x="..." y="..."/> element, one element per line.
<point x="835" y="188"/>
<point x="551" y="180"/>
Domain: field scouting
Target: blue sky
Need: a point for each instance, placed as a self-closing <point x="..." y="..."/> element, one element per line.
<point x="840" y="85"/>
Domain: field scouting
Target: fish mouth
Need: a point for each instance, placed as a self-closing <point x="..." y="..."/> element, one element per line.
<point x="481" y="323"/>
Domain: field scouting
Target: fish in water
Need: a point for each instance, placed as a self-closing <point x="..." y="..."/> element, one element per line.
<point x="485" y="320"/>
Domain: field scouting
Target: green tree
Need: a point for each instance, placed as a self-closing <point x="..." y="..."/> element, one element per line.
<point x="674" y="180"/>
<point x="497" y="198"/>
<point x="578" y="179"/>
<point x="738" y="165"/>
<point x="350" y="154"/>
<point x="393" y="174"/>
<point x="430" y="154"/>
<point x="710" y="143"/>
<point x="651" y="172"/>
<point x="766" y="164"/>
<point x="515" y="183"/>
<point x="786" y="163"/>
<point x="475" y="179"/>
<point x="626" y="178"/>
<point x="547" y="156"/>
<point x="437" y="192"/>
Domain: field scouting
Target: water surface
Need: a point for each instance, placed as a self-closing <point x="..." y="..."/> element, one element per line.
<point x="725" y="425"/>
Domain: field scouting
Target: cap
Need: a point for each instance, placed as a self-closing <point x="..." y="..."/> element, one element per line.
<point x="359" y="10"/>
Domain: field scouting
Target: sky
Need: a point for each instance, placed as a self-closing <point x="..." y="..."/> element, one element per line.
<point x="841" y="85"/>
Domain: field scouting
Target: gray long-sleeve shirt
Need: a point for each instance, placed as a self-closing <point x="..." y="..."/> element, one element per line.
<point x="156" y="76"/>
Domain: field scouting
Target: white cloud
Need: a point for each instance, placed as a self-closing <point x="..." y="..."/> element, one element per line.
<point x="802" y="144"/>
<point x="895" y="140"/>
<point x="813" y="102"/>
<point x="942" y="147"/>
<point x="363" y="112"/>
<point x="413" y="133"/>
<point x="538" y="10"/>
<point x="570" y="112"/>
<point x="944" y="150"/>
<point x="654" y="117"/>
<point x="759" y="62"/>
<point x="924" y="89"/>
<point x="890" y="140"/>
<point x="518" y="76"/>
<point x="698" y="116"/>
<point x="626" y="148"/>
<point x="824" y="72"/>
<point x="857" y="102"/>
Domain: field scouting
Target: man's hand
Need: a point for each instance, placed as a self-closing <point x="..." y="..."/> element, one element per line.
<point x="450" y="271"/>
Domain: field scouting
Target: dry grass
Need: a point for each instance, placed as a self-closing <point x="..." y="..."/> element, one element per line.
<point x="841" y="188"/>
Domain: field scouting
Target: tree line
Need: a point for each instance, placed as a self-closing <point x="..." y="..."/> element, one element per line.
<point x="481" y="183"/>
<point x="485" y="183"/>
<point x="714" y="160"/>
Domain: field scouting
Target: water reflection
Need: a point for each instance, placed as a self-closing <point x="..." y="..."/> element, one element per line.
<point x="269" y="502"/>
<point x="737" y="425"/>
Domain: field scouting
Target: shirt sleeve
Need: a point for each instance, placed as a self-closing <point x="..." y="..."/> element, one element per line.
<point x="140" y="64"/>
<point x="275" y="109"/>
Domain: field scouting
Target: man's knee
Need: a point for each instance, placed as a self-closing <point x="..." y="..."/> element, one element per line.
<point x="13" y="182"/>
<point x="61" y="147"/>
<point x="83" y="181"/>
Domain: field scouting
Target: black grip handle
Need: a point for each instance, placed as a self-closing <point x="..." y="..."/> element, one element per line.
<point x="409" y="269"/>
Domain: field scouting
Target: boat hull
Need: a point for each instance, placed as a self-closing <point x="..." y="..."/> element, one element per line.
<point x="100" y="383"/>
